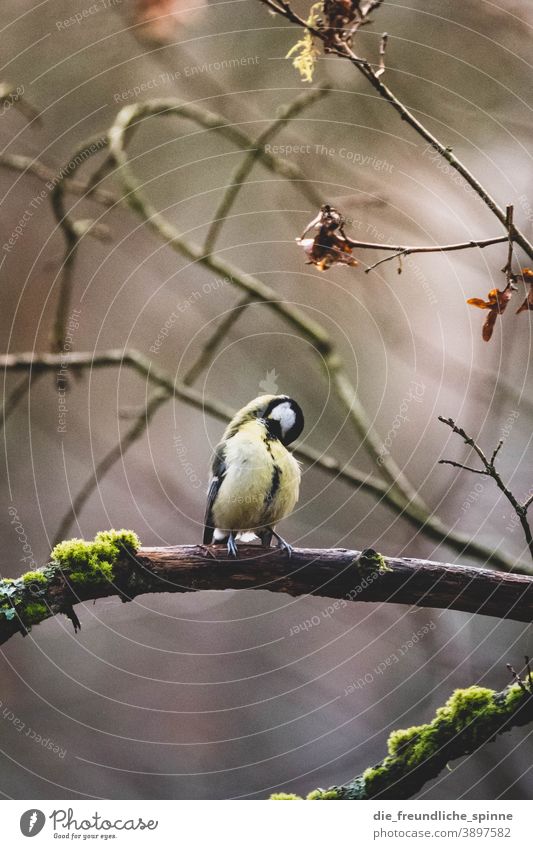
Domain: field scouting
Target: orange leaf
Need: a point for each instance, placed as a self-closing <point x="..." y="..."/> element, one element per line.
<point x="488" y="325"/>
<point x="477" y="302"/>
<point x="496" y="303"/>
<point x="527" y="276"/>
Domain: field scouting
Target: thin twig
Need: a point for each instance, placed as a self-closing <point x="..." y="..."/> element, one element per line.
<point x="489" y="469"/>
<point x="428" y="249"/>
<point x="73" y="232"/>
<point x="108" y="461"/>
<point x="30" y="165"/>
<point x="382" y="50"/>
<point x="343" y="50"/>
<point x="213" y="121"/>
<point x="205" y="357"/>
<point x="461" y="466"/>
<point x="244" y="168"/>
<point x="16" y="396"/>
<point x="508" y="267"/>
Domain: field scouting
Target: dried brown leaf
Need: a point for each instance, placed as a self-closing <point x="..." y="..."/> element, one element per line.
<point x="496" y="303"/>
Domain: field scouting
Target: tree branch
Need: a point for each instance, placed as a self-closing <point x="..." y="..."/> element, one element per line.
<point x="113" y="564"/>
<point x="470" y="718"/>
<point x="328" y="216"/>
<point x="343" y="50"/>
<point x="31" y="165"/>
<point x="489" y="469"/>
<point x="428" y="249"/>
<point x="244" y="168"/>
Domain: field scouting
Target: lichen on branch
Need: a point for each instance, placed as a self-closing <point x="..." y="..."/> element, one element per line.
<point x="470" y="718"/>
<point x="76" y="567"/>
<point x="93" y="562"/>
<point x="305" y="52"/>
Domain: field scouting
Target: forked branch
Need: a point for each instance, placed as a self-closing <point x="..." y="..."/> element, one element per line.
<point x="488" y="468"/>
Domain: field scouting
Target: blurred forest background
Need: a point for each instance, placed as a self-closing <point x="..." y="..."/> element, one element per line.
<point x="209" y="695"/>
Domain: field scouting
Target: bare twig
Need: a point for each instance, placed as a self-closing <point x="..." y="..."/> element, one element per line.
<point x="328" y="214"/>
<point x="15" y="397"/>
<point x="490" y="470"/>
<point x="205" y="357"/>
<point x="508" y="267"/>
<point x="30" y="165"/>
<point x="73" y="232"/>
<point x="108" y="461"/>
<point x="382" y="51"/>
<point x="242" y="171"/>
<point x="428" y="249"/>
<point x="217" y="123"/>
<point x="343" y="50"/>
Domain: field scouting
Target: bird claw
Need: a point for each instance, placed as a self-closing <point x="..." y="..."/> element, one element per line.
<point x="232" y="546"/>
<point x="283" y="544"/>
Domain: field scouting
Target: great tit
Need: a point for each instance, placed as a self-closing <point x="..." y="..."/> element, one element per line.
<point x="255" y="479"/>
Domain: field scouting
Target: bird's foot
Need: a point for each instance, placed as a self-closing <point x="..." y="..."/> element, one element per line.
<point x="232" y="546"/>
<point x="283" y="544"/>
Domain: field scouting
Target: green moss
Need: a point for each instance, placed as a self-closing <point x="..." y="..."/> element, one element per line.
<point x="370" y="561"/>
<point x="470" y="717"/>
<point x="323" y="794"/>
<point x="514" y="696"/>
<point x="33" y="612"/>
<point x="285" y="797"/>
<point x="34" y="577"/>
<point x="475" y="713"/>
<point x="93" y="562"/>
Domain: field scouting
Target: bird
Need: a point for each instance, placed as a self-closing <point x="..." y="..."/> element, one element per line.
<point x="255" y="478"/>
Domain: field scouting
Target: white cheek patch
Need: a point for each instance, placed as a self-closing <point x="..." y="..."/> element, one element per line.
<point x="285" y="415"/>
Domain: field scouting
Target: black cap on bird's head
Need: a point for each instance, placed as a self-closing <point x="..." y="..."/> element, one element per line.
<point x="282" y="416"/>
<point x="284" y="419"/>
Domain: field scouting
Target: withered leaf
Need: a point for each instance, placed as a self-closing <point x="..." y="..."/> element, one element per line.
<point x="496" y="303"/>
<point x="330" y="246"/>
<point x="527" y="276"/>
<point x="326" y="250"/>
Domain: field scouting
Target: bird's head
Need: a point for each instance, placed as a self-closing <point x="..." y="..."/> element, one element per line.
<point x="281" y="415"/>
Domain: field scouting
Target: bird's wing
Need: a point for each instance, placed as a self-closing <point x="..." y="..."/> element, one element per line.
<point x="218" y="470"/>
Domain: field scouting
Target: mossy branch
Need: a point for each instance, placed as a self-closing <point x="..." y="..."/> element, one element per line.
<point x="470" y="718"/>
<point x="115" y="564"/>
